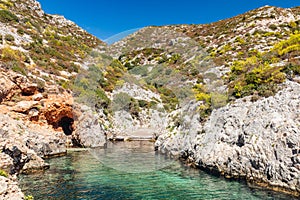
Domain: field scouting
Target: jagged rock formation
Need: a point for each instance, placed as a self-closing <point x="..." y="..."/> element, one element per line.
<point x="9" y="189"/>
<point x="40" y="54"/>
<point x="258" y="141"/>
<point x="236" y="140"/>
<point x="89" y="132"/>
<point x="148" y="82"/>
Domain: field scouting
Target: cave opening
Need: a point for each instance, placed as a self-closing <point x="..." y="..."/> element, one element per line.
<point x="67" y="125"/>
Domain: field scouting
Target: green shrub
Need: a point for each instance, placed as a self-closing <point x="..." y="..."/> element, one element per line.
<point x="20" y="31"/>
<point x="139" y="70"/>
<point x="288" y="46"/>
<point x="9" y="37"/>
<point x="3" y="173"/>
<point x="28" y="197"/>
<point x="6" y="16"/>
<point x="273" y="27"/>
<point x="8" y="54"/>
<point x="122" y="101"/>
<point x="96" y="99"/>
<point x="292" y="69"/>
<point x="218" y="100"/>
<point x="17" y="68"/>
<point x="87" y="88"/>
<point x="143" y="103"/>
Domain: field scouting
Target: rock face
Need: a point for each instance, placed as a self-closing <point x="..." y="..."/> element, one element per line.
<point x="22" y="147"/>
<point x="88" y="132"/>
<point x="26" y="144"/>
<point x="6" y="86"/>
<point x="184" y="126"/>
<point x="9" y="189"/>
<point x="257" y="141"/>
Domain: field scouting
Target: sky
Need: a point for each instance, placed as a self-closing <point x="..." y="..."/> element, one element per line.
<point x="105" y="18"/>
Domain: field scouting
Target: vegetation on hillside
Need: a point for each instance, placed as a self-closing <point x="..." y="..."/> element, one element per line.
<point x="261" y="74"/>
<point x="259" y="60"/>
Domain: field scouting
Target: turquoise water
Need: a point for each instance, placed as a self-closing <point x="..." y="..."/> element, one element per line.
<point x="131" y="171"/>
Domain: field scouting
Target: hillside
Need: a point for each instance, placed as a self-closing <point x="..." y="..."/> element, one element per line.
<point x="250" y="54"/>
<point x="40" y="54"/>
<point x="223" y="97"/>
<point x="210" y="79"/>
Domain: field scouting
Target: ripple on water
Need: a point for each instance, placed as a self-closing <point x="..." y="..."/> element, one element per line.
<point x="131" y="171"/>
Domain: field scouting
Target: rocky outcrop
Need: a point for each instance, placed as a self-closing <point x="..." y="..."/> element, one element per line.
<point x="258" y="141"/>
<point x="9" y="188"/>
<point x="88" y="132"/>
<point x="6" y="86"/>
<point x="27" y="144"/>
<point x="8" y="183"/>
<point x="22" y="147"/>
<point x="24" y="106"/>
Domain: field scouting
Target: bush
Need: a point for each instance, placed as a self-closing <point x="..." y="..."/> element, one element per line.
<point x="20" y="31"/>
<point x="139" y="70"/>
<point x="9" y="38"/>
<point x="6" y="16"/>
<point x="292" y="69"/>
<point x="273" y="27"/>
<point x="17" y="68"/>
<point x="218" y="100"/>
<point x="8" y="54"/>
<point x="28" y="197"/>
<point x="96" y="99"/>
<point x="3" y="173"/>
<point x="288" y="46"/>
<point x="122" y="101"/>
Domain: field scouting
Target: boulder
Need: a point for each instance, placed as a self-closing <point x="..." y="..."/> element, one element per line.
<point x="9" y="189"/>
<point x="24" y="159"/>
<point x="6" y="86"/>
<point x="24" y="106"/>
<point x="28" y="89"/>
<point x="37" y="97"/>
<point x="88" y="132"/>
<point x="27" y="144"/>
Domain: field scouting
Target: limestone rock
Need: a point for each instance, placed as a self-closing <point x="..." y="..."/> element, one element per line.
<point x="258" y="141"/>
<point x="24" y="106"/>
<point x="26" y="144"/>
<point x="9" y="189"/>
<point x="6" y="162"/>
<point x="37" y="97"/>
<point x="6" y="86"/>
<point x="24" y="159"/>
<point x="28" y="89"/>
<point x="88" y="132"/>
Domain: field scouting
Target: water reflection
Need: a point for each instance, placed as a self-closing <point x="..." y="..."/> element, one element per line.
<point x="131" y="171"/>
<point x="131" y="157"/>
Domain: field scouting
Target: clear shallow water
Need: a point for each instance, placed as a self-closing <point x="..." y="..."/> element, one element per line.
<point x="131" y="171"/>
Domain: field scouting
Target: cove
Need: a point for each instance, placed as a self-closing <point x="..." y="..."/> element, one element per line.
<point x="131" y="170"/>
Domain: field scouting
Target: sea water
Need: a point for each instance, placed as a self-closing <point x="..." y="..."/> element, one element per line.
<point x="132" y="170"/>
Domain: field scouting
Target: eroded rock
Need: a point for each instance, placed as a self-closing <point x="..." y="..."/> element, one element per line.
<point x="24" y="106"/>
<point x="6" y="86"/>
<point x="9" y="189"/>
<point x="258" y="141"/>
<point x="88" y="132"/>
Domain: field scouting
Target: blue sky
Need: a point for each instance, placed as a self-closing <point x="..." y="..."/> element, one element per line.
<point x="104" y="18"/>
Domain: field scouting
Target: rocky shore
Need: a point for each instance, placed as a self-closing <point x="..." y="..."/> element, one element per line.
<point x="256" y="141"/>
<point x="157" y="83"/>
<point x="39" y="125"/>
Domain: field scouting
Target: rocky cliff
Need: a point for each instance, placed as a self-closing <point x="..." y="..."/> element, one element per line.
<point x="234" y="109"/>
<point x="40" y="54"/>
<point x="258" y="141"/>
<point x="222" y="96"/>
